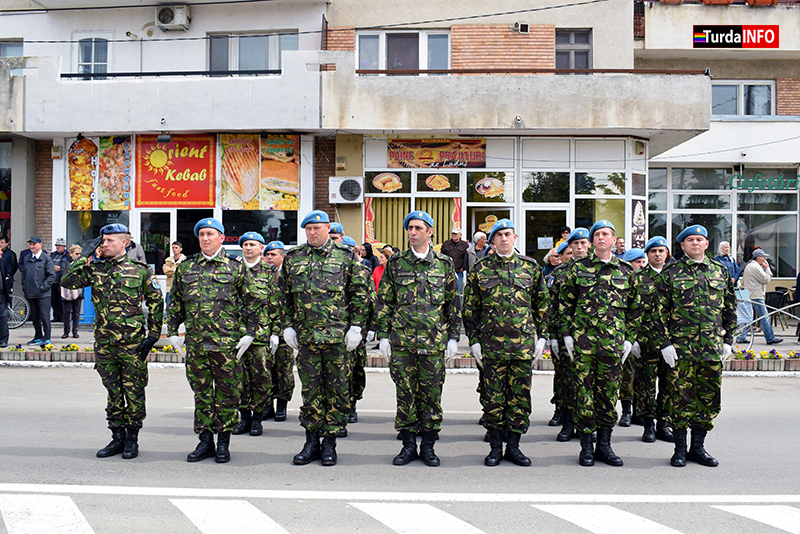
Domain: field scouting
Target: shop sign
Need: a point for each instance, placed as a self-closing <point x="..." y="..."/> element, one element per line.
<point x="437" y="153"/>
<point x="764" y="183"/>
<point x="748" y="36"/>
<point x="179" y="174"/>
<point x="100" y="173"/>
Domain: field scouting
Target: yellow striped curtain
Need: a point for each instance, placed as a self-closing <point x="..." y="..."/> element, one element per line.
<point x="441" y="209"/>
<point x="389" y="215"/>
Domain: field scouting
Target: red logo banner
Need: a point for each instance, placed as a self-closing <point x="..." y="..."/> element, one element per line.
<point x="178" y="174"/>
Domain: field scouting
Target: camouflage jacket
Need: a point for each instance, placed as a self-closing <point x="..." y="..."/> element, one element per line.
<point x="506" y="303"/>
<point x="697" y="309"/>
<point x="554" y="318"/>
<point x="418" y="302"/>
<point x="118" y="287"/>
<point x="212" y="298"/>
<point x="261" y="289"/>
<point x="599" y="300"/>
<point x="322" y="292"/>
<point x="648" y="295"/>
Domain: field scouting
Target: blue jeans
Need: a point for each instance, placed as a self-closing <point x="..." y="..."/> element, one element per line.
<point x="760" y="310"/>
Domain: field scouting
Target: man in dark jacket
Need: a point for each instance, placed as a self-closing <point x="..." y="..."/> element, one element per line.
<point x="7" y="260"/>
<point x="57" y="255"/>
<point x="38" y="276"/>
<point x="9" y="263"/>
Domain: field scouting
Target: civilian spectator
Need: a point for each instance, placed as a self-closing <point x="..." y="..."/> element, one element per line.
<point x="475" y="251"/>
<point x="57" y="255"/>
<point x="551" y="261"/>
<point x="135" y="250"/>
<point x="71" y="299"/>
<point x="456" y="248"/>
<point x="564" y="233"/>
<point x="369" y="258"/>
<point x="757" y="274"/>
<point x="383" y="258"/>
<point x="9" y="264"/>
<point x="619" y="248"/>
<point x="38" y="276"/>
<point x="725" y="258"/>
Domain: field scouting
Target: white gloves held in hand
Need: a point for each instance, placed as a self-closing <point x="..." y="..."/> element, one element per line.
<point x="636" y="350"/>
<point x="370" y="336"/>
<point x="386" y="348"/>
<point x="554" y="348"/>
<point x="670" y="355"/>
<point x="290" y="337"/>
<point x="626" y="349"/>
<point x="477" y="352"/>
<point x="243" y="344"/>
<point x="570" y="345"/>
<point x="352" y="339"/>
<point x="727" y="350"/>
<point x="452" y="350"/>
<point x="274" y="341"/>
<point x="177" y="344"/>
<point x="540" y="343"/>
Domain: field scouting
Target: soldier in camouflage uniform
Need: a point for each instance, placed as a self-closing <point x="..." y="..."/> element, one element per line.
<point x="418" y="319"/>
<point x="322" y="295"/>
<point x="695" y="331"/>
<point x="637" y="259"/>
<point x="210" y="294"/>
<point x="122" y="344"/>
<point x="505" y="307"/>
<point x="283" y="368"/>
<point x="601" y="296"/>
<point x="564" y="254"/>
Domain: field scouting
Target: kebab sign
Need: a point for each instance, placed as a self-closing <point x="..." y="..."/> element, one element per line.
<point x="175" y="174"/>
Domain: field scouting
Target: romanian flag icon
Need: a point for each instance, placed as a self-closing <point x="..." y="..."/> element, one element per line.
<point x="700" y="38"/>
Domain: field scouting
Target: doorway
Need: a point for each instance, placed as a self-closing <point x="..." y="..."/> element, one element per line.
<point x="541" y="231"/>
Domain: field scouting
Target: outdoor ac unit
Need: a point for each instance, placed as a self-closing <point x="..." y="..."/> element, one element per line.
<point x="346" y="190"/>
<point x="170" y="18"/>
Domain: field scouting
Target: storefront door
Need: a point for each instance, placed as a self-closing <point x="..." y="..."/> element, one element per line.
<point x="158" y="228"/>
<point x="541" y="231"/>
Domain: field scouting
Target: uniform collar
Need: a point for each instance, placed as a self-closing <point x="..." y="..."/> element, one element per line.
<point x="218" y="256"/>
<point x="428" y="258"/>
<point x="325" y="248"/>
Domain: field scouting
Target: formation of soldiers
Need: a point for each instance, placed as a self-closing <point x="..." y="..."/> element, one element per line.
<point x="642" y="329"/>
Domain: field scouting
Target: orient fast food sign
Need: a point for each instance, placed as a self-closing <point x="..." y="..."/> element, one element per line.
<point x="179" y="174"/>
<point x="748" y="36"/>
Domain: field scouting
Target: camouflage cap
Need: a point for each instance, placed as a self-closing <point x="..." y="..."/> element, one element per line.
<point x="656" y="241"/>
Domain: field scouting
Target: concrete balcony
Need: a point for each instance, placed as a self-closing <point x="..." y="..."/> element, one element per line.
<point x="667" y="109"/>
<point x="42" y="104"/>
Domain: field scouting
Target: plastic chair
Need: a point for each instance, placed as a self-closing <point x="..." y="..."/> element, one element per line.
<point x="779" y="300"/>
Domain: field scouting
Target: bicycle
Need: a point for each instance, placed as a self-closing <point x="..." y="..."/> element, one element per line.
<point x="18" y="311"/>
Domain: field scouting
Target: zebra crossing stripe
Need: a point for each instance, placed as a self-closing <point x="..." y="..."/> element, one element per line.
<point x="604" y="519"/>
<point x="406" y="518"/>
<point x="34" y="514"/>
<point x="786" y="518"/>
<point x="226" y="516"/>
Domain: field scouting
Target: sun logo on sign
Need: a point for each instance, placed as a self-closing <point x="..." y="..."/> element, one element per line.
<point x="156" y="159"/>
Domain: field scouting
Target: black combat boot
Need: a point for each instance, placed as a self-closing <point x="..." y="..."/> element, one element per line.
<point x="426" y="452"/>
<point x="495" y="455"/>
<point x="697" y="452"/>
<point x="352" y="417"/>
<point x="567" y="428"/>
<point x="245" y="418"/>
<point x="409" y="451"/>
<point x="256" y="428"/>
<point x="223" y="455"/>
<point x="311" y="450"/>
<point x="280" y="411"/>
<point x="131" y="449"/>
<point x="663" y="432"/>
<point x="649" y="434"/>
<point x="625" y="420"/>
<point x="205" y="449"/>
<point x="679" y="457"/>
<point x="513" y="454"/>
<point x="329" y="450"/>
<point x="268" y="413"/>
<point x="603" y="451"/>
<point x="586" y="457"/>
<point x="115" y="446"/>
<point x="342" y="432"/>
<point x="558" y="417"/>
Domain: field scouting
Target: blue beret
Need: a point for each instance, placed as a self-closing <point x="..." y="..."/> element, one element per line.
<point x="418" y="215"/>
<point x="274" y="245"/>
<point x="349" y="241"/>
<point x="208" y="223"/>
<point x="115" y="228"/>
<point x="692" y="230"/>
<point x="578" y="233"/>
<point x="315" y="216"/>
<point x="502" y="224"/>
<point x="337" y="228"/>
<point x="656" y="241"/>
<point x="633" y="254"/>
<point x="600" y="224"/>
<point x="562" y="247"/>
<point x="248" y="236"/>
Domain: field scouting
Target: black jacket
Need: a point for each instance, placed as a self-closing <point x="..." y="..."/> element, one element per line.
<point x="37" y="276"/>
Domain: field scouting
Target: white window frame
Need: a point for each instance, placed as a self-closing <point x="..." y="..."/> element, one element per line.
<point x="78" y="36"/>
<point x="233" y="47"/>
<point x="423" y="45"/>
<point x="740" y="84"/>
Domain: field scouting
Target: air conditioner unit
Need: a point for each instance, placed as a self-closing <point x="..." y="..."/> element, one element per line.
<point x="346" y="190"/>
<point x="170" y="18"/>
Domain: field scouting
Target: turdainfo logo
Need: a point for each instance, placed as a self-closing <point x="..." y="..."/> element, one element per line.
<point x="736" y="36"/>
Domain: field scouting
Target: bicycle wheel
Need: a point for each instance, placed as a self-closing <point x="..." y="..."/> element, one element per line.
<point x="18" y="311"/>
<point x="742" y="332"/>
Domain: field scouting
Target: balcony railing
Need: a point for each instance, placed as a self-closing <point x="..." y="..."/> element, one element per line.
<point x="413" y="72"/>
<point x="164" y="74"/>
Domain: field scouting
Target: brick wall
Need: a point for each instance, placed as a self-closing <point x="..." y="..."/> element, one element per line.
<point x="43" y="194"/>
<point x="340" y="39"/>
<point x="324" y="167"/>
<point x="787" y="96"/>
<point x="499" y="46"/>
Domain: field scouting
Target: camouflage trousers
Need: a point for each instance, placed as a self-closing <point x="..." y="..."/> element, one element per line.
<point x="283" y="373"/>
<point x="215" y="380"/>
<point x="418" y="381"/>
<point x="256" y="381"/>
<point x="358" y="378"/>
<point x="597" y="376"/>
<point x="626" y="382"/>
<point x="563" y="380"/>
<point x="124" y="378"/>
<point x="324" y="372"/>
<point x="508" y="394"/>
<point x="650" y="369"/>
<point x="694" y="394"/>
<point x="481" y="389"/>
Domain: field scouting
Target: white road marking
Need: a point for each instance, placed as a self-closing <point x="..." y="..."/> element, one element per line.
<point x="35" y="514"/>
<point x="603" y="519"/>
<point x="224" y="516"/>
<point x="786" y="518"/>
<point x="416" y="518"/>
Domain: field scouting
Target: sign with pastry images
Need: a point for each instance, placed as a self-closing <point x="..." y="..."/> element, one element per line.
<point x="280" y="172"/>
<point x="178" y="174"/>
<point x="114" y="176"/>
<point x="436" y="153"/>
<point x="387" y="182"/>
<point x="82" y="167"/>
<point x="496" y="186"/>
<point x="239" y="171"/>
<point x="438" y="183"/>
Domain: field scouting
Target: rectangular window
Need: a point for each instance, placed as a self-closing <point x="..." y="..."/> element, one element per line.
<point x="422" y="50"/>
<point x="701" y="178"/>
<point x="93" y="57"/>
<point x="11" y="49"/>
<point x="573" y="49"/>
<point x="231" y="52"/>
<point x="742" y="98"/>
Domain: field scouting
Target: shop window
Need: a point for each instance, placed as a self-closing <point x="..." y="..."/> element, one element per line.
<point x="274" y="225"/>
<point x="638" y="183"/>
<point x="590" y="210"/>
<point x="658" y="179"/>
<point x="717" y="224"/>
<point x="767" y="202"/>
<point x="599" y="183"/>
<point x="742" y="98"/>
<point x="438" y="183"/>
<point x="776" y="234"/>
<point x="495" y="186"/>
<point x="657" y="202"/>
<point x="84" y="226"/>
<point x="425" y="50"/>
<point x="483" y="219"/>
<point x="701" y="178"/>
<point x="388" y="182"/>
<point x="702" y="202"/>
<point x="155" y="232"/>
<point x="249" y="52"/>
<point x="657" y="224"/>
<point x="573" y="49"/>
<point x="545" y="187"/>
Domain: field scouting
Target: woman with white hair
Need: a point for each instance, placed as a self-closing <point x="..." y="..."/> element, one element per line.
<point x="725" y="258"/>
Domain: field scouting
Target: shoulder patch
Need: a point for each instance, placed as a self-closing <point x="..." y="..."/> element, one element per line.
<point x="137" y="262"/>
<point x="235" y="258"/>
<point x="154" y="282"/>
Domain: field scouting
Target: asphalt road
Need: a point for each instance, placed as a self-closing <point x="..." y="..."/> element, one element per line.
<point x="53" y="423"/>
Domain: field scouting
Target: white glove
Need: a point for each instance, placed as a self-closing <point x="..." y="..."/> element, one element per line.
<point x="243" y="345"/>
<point x="177" y="344"/>
<point x="726" y="351"/>
<point x="554" y="348"/>
<point x="452" y="350"/>
<point x="626" y="349"/>
<point x="669" y="355"/>
<point x="290" y="337"/>
<point x="386" y="348"/>
<point x="540" y="343"/>
<point x="352" y="339"/>
<point x="570" y="345"/>
<point x="274" y="341"/>
<point x="636" y="350"/>
<point x="477" y="352"/>
<point x="370" y="336"/>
